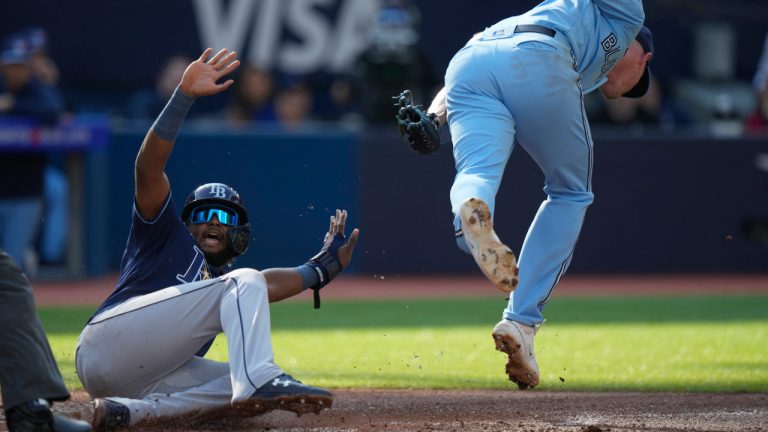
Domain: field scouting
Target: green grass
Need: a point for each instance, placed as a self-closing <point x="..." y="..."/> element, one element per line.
<point x="708" y="343"/>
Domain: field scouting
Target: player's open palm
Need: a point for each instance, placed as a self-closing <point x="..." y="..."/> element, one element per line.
<point x="335" y="238"/>
<point x="201" y="76"/>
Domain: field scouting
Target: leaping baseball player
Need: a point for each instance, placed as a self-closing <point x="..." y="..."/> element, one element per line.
<point x="522" y="81"/>
<point x="141" y="353"/>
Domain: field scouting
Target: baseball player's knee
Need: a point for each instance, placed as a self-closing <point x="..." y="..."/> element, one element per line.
<point x="577" y="197"/>
<point x="583" y="198"/>
<point x="249" y="277"/>
<point x="97" y="377"/>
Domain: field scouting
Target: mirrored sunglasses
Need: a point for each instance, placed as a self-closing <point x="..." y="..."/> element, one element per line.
<point x="205" y="214"/>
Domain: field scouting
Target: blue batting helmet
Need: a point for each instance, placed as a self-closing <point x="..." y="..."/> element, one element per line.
<point x="221" y="194"/>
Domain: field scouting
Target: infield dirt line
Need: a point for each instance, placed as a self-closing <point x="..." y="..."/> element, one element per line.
<point x="495" y="410"/>
<point x="94" y="291"/>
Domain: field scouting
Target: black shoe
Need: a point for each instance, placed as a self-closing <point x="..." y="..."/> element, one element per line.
<point x="286" y="393"/>
<point x="110" y="416"/>
<point x="36" y="416"/>
<point x="65" y="424"/>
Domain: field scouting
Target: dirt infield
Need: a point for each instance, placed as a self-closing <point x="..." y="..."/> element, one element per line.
<point x="442" y="410"/>
<point x="513" y="410"/>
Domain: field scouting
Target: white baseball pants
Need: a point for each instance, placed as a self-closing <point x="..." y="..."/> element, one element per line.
<point x="141" y="353"/>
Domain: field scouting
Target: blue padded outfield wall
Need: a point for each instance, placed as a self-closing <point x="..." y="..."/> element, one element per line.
<point x="663" y="204"/>
<point x="290" y="183"/>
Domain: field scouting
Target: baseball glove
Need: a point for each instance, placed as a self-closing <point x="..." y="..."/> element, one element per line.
<point x="417" y="128"/>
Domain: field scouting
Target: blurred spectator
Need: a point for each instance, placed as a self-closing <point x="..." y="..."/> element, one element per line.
<point x="55" y="221"/>
<point x="252" y="97"/>
<point x="54" y="227"/>
<point x="339" y="101"/>
<point x="757" y="122"/>
<point x="646" y="110"/>
<point x="147" y="103"/>
<point x="44" y="68"/>
<point x="756" y="229"/>
<point x="293" y="105"/>
<point x="22" y="98"/>
<point x="394" y="61"/>
<point x="760" y="81"/>
<point x="653" y="109"/>
<point x="21" y="175"/>
<point x="22" y="94"/>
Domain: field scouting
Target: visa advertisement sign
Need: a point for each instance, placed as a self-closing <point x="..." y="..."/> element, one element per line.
<point x="293" y="36"/>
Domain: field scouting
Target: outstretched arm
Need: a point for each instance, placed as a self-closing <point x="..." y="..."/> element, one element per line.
<point x="287" y="282"/>
<point x="438" y="107"/>
<point x="152" y="185"/>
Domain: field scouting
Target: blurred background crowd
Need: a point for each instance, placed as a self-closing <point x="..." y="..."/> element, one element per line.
<point x="318" y="63"/>
<point x="711" y="62"/>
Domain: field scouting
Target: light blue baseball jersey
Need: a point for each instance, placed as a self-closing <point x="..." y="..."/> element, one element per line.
<point x="506" y="89"/>
<point x="598" y="31"/>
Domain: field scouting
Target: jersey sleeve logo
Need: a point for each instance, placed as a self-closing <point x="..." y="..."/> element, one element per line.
<point x="609" y="43"/>
<point x="612" y="51"/>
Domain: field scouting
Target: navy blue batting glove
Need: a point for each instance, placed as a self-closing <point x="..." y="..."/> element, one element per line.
<point x="326" y="264"/>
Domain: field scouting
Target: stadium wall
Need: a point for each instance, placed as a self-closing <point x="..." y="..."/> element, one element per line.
<point x="663" y="204"/>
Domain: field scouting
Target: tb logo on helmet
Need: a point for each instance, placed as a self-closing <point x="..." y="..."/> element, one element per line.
<point x="217" y="191"/>
<point x="222" y="195"/>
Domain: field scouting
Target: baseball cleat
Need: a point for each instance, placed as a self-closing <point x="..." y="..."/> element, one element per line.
<point x="109" y="416"/>
<point x="495" y="259"/>
<point x="35" y="415"/>
<point x="516" y="340"/>
<point x="286" y="393"/>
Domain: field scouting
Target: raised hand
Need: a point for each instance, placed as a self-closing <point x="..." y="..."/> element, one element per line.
<point x="338" y="226"/>
<point x="201" y="75"/>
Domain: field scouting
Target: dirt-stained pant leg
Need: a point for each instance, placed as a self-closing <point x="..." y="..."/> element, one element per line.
<point x="146" y="346"/>
<point x="28" y="369"/>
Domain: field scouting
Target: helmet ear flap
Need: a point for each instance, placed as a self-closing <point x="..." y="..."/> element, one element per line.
<point x="239" y="237"/>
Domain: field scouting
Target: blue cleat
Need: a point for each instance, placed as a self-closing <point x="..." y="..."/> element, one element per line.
<point x="286" y="393"/>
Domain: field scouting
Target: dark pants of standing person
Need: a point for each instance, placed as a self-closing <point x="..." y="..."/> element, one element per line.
<point x="29" y="376"/>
